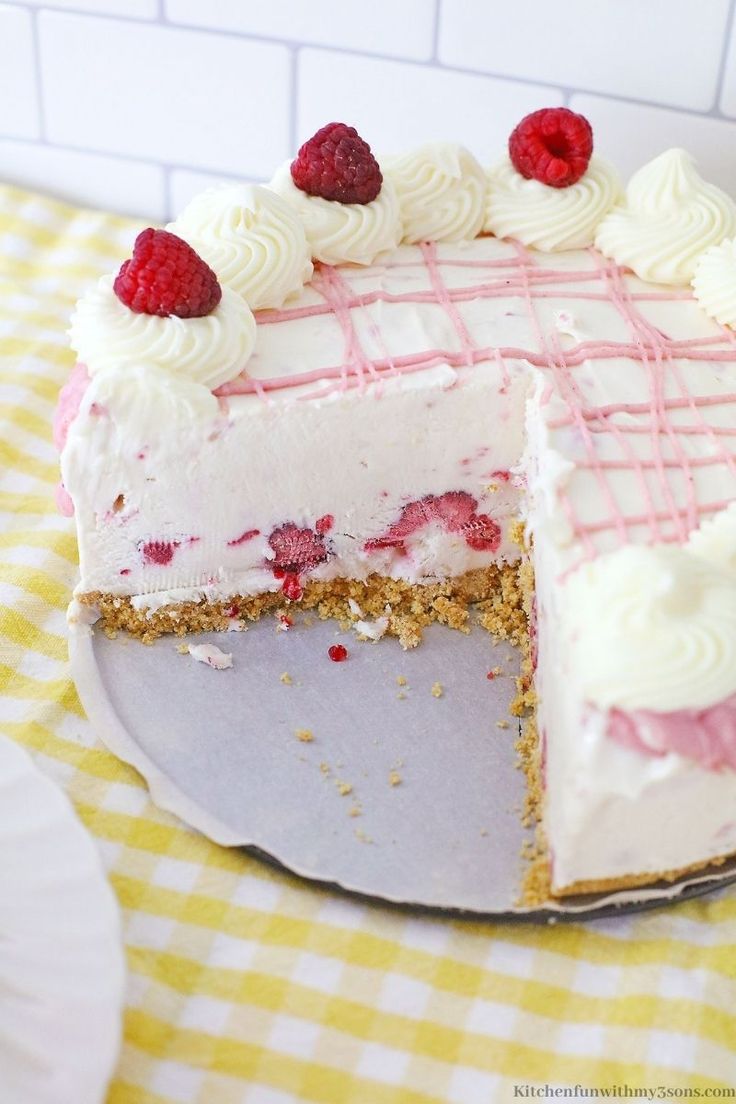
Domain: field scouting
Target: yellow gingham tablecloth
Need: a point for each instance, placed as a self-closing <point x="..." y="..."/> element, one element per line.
<point x="247" y="985"/>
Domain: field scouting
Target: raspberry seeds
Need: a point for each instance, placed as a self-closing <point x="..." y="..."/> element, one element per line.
<point x="553" y="146"/>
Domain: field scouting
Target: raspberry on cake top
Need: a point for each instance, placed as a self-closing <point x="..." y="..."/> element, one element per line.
<point x="367" y="444"/>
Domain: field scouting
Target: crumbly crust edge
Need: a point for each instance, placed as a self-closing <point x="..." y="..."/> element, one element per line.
<point x="494" y="592"/>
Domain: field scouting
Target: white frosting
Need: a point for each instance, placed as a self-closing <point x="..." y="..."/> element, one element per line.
<point x="211" y="655"/>
<point x="715" y="540"/>
<point x="714" y="282"/>
<point x="343" y="233"/>
<point x="669" y="217"/>
<point x="651" y="628"/>
<point x="549" y="218"/>
<point x="210" y="350"/>
<point x="251" y="238"/>
<point x="141" y="399"/>
<point x="441" y="189"/>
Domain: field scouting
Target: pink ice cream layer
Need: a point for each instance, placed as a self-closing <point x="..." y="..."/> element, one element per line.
<point x="67" y="408"/>
<point x="68" y="404"/>
<point x="706" y="735"/>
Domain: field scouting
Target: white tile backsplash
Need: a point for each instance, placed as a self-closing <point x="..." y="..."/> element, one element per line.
<point x="19" y="115"/>
<point x="92" y="180"/>
<point x="661" y="50"/>
<point x="137" y="104"/>
<point x="628" y="135"/>
<point x="135" y="9"/>
<point x="728" y="92"/>
<point x="396" y="105"/>
<point x="181" y="97"/>
<point x="185" y="184"/>
<point x="394" y="30"/>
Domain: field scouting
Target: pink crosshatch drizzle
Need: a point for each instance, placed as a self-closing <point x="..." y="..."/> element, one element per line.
<point x="525" y="277"/>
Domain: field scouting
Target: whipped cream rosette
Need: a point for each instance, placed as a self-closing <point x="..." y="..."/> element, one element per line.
<point x="139" y="399"/>
<point x="209" y="350"/>
<point x="441" y="189"/>
<point x="669" y="217"/>
<point x="335" y="185"/>
<point x="715" y="540"/>
<point x="652" y="628"/>
<point x="343" y="233"/>
<point x="549" y="218"/>
<point x="714" y="282"/>
<point x="252" y="239"/>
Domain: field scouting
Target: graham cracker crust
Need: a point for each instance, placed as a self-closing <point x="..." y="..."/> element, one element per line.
<point x="633" y="881"/>
<point x="495" y="592"/>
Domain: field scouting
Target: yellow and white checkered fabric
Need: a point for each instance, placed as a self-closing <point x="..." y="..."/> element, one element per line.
<point x="246" y="985"/>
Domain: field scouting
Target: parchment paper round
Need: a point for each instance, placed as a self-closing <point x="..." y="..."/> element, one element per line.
<point x="402" y="794"/>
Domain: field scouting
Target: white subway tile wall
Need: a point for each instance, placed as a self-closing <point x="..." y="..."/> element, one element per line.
<point x="135" y="105"/>
<point x="395" y="106"/>
<point x="184" y="184"/>
<point x="19" y="106"/>
<point x="667" y="51"/>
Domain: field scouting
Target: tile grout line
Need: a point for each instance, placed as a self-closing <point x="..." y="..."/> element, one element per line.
<point x="716" y="110"/>
<point x="169" y="214"/>
<point x="293" y="101"/>
<point x="38" y="79"/>
<point x="127" y="158"/>
<point x="436" y="32"/>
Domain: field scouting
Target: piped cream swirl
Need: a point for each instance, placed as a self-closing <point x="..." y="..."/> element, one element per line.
<point x="651" y="628"/>
<point x="140" y="399"/>
<point x="669" y="217"/>
<point x="343" y="233"/>
<point x="714" y="282"/>
<point x="550" y="218"/>
<point x="715" y="540"/>
<point x="441" y="189"/>
<point x="210" y="350"/>
<point x="251" y="238"/>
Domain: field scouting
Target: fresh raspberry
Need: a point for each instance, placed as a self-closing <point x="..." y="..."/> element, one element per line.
<point x="552" y="145"/>
<point x="165" y="276"/>
<point x="454" y="511"/>
<point x="158" y="552"/>
<point x="337" y="164"/>
<point x="296" y="550"/>
<point x="482" y="533"/>
<point x="292" y="588"/>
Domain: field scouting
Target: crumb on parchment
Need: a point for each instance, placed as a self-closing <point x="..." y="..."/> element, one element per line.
<point x="394" y="778"/>
<point x="437" y="690"/>
<point x="305" y="735"/>
<point x="211" y="655"/>
<point x="286" y="678"/>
